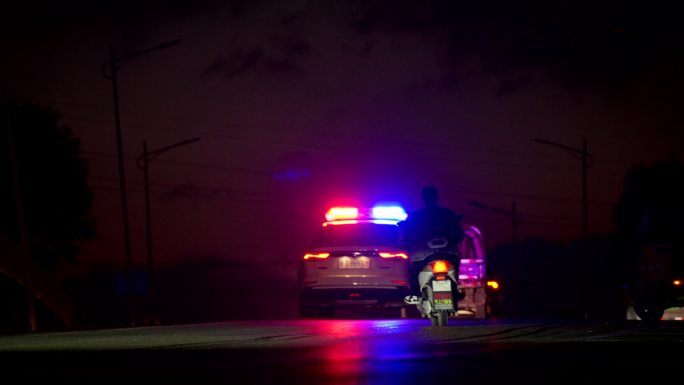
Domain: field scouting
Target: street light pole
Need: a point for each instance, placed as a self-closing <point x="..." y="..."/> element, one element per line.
<point x="585" y="195"/>
<point x="148" y="231"/>
<point x="514" y="227"/>
<point x="143" y="162"/>
<point x="113" y="65"/>
<point x="587" y="161"/>
<point x="122" y="191"/>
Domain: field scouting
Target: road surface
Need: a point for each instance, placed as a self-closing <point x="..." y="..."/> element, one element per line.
<point x="353" y="351"/>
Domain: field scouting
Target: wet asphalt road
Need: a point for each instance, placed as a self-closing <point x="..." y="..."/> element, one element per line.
<point x="354" y="351"/>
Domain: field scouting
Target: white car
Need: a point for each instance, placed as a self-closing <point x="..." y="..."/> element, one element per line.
<point x="355" y="261"/>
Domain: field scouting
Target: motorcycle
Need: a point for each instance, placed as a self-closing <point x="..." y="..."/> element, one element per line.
<point x="438" y="282"/>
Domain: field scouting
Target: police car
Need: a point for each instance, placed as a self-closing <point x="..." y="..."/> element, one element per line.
<point x="355" y="262"/>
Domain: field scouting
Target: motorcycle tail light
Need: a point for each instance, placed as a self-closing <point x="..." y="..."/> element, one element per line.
<point x="440" y="267"/>
<point x="316" y="255"/>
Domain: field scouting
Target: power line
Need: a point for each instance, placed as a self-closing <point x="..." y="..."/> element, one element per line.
<point x="190" y="164"/>
<point x="319" y="134"/>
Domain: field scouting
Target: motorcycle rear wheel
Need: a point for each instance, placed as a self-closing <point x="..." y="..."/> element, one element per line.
<point x="440" y="318"/>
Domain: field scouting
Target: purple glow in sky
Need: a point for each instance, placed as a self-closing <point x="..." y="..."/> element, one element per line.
<point x="301" y="105"/>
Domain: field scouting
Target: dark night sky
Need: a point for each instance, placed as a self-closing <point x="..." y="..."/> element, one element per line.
<point x="302" y="104"/>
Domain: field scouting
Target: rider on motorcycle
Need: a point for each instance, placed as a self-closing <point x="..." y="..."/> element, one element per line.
<point x="431" y="221"/>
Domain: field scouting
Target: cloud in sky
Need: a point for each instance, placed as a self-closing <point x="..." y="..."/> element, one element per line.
<point x="604" y="47"/>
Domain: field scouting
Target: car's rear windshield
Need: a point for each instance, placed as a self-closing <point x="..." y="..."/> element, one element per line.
<point x="361" y="234"/>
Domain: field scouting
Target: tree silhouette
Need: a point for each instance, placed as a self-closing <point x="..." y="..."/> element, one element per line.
<point x="650" y="233"/>
<point x="56" y="199"/>
<point x="651" y="207"/>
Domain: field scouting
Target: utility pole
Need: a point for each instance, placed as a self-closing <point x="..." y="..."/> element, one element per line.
<point x="143" y="162"/>
<point x="587" y="161"/>
<point x="585" y="196"/>
<point x="514" y="228"/>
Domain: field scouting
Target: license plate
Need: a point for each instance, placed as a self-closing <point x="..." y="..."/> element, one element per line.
<point x="441" y="293"/>
<point x="443" y="301"/>
<point x="441" y="285"/>
<point x="354" y="263"/>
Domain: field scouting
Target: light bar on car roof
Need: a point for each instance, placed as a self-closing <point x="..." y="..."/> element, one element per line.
<point x="342" y="213"/>
<point x="392" y="213"/>
<point x="382" y="214"/>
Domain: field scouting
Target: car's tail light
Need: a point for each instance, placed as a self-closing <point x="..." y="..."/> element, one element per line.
<point x="440" y="267"/>
<point x="677" y="282"/>
<point x="493" y="284"/>
<point x="316" y="255"/>
<point x="393" y="255"/>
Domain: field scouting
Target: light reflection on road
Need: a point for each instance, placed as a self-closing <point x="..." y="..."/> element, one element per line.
<point x="357" y="358"/>
<point x="353" y="352"/>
